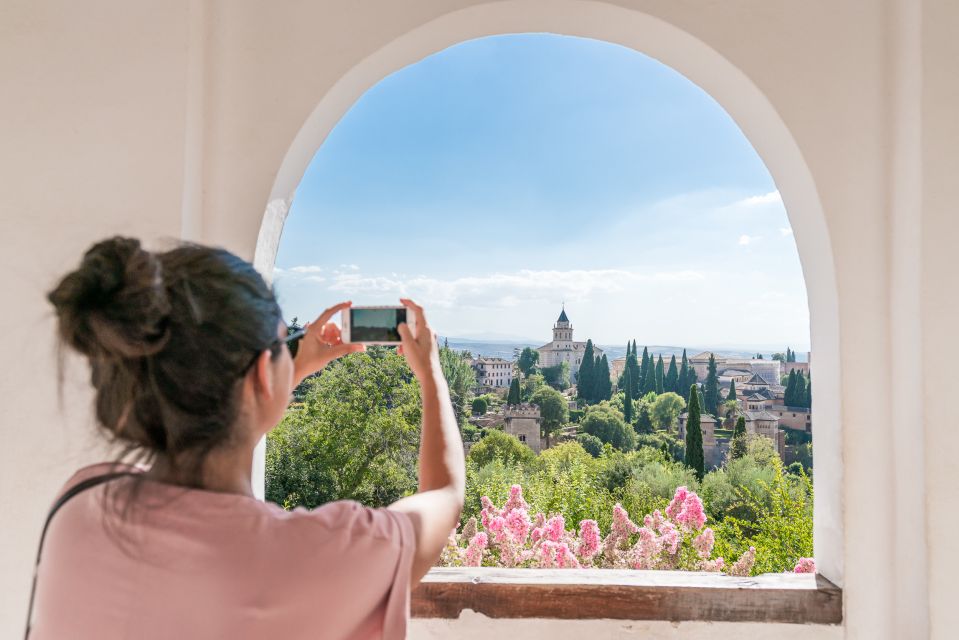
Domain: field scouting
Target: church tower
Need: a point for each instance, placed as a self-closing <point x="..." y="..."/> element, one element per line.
<point x="563" y="330"/>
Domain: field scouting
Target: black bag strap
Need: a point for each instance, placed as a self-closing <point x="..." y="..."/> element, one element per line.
<point x="79" y="487"/>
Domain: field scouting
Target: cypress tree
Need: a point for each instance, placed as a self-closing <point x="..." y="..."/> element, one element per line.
<point x="683" y="383"/>
<point x="643" y="370"/>
<point x="711" y="387"/>
<point x="660" y="374"/>
<point x="635" y="353"/>
<point x="633" y="365"/>
<point x="671" y="383"/>
<point x="694" y="435"/>
<point x="809" y="394"/>
<point x="738" y="445"/>
<point x="513" y="397"/>
<point x="627" y="399"/>
<point x="732" y="391"/>
<point x="585" y="380"/>
<point x="800" y="392"/>
<point x="603" y="385"/>
<point x="789" y="397"/>
<point x="649" y="381"/>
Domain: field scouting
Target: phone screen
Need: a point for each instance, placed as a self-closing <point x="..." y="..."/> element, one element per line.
<point x="376" y="325"/>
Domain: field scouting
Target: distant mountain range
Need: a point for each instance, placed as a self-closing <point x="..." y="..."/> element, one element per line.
<point x="508" y="349"/>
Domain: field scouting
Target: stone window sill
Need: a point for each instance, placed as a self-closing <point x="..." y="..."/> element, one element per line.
<point x="675" y="596"/>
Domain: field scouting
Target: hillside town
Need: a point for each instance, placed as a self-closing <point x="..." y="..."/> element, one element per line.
<point x="761" y="393"/>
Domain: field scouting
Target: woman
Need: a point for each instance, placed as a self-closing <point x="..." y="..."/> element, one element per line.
<point x="191" y="367"/>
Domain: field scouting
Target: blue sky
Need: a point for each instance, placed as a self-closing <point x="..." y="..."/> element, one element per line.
<point x="502" y="176"/>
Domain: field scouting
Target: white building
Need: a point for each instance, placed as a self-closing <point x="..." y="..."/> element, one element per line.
<point x="493" y="372"/>
<point x="563" y="348"/>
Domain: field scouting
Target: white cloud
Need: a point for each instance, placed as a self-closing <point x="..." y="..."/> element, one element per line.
<point x="351" y="267"/>
<point x="307" y="269"/>
<point x="745" y="240"/>
<point x="755" y="201"/>
<point x="506" y="289"/>
<point x="785" y="231"/>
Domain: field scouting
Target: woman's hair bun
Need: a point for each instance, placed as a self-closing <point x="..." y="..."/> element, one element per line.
<point x="115" y="304"/>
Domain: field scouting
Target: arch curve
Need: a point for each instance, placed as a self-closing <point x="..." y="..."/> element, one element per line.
<point x="743" y="100"/>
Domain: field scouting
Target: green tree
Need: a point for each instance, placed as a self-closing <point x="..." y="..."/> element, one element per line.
<point x="553" y="409"/>
<point x="603" y="388"/>
<point x="480" y="405"/>
<point x="780" y="356"/>
<point x="671" y="382"/>
<point x="732" y="391"/>
<point x="530" y="384"/>
<point x="513" y="397"/>
<point x="527" y="360"/>
<point x="789" y="397"/>
<point x="557" y="376"/>
<point x="649" y="381"/>
<point x="607" y="424"/>
<point x="503" y="447"/>
<point x="808" y="403"/>
<point x="585" y="380"/>
<point x="695" y="458"/>
<point x="683" y="381"/>
<point x="354" y="436"/>
<point x="660" y="374"/>
<point x="666" y="409"/>
<point x="627" y="398"/>
<point x="711" y="387"/>
<point x="642" y="389"/>
<point x="799" y="393"/>
<point x="461" y="379"/>
<point x="592" y="444"/>
<point x="737" y="447"/>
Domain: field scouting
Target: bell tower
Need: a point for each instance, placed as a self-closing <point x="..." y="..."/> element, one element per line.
<point x="562" y="330"/>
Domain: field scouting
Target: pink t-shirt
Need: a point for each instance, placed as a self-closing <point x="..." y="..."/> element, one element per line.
<point x="199" y="564"/>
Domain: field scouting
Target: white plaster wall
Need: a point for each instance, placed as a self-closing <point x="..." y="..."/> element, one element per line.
<point x="191" y="117"/>
<point x="473" y="626"/>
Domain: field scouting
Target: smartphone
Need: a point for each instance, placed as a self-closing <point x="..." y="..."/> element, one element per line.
<point x="374" y="325"/>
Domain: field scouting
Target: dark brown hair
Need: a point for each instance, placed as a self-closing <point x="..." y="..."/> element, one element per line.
<point x="169" y="336"/>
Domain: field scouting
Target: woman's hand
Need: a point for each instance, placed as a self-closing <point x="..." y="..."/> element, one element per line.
<point x="419" y="344"/>
<point x="322" y="344"/>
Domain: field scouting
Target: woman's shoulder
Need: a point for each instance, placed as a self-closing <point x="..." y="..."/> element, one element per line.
<point x="349" y="518"/>
<point x="96" y="470"/>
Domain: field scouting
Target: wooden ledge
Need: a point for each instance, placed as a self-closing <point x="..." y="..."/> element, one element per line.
<point x="577" y="594"/>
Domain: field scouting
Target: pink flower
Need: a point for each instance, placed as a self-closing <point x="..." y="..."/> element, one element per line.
<point x="547" y="554"/>
<point x="515" y="499"/>
<point x="644" y="553"/>
<point x="712" y="565"/>
<point x="536" y="534"/>
<point x="497" y="527"/>
<point x="805" y="565"/>
<point x="555" y="528"/>
<point x="676" y="505"/>
<point x="473" y="557"/>
<point x="565" y="558"/>
<point x="518" y="524"/>
<point x="623" y="527"/>
<point x="653" y="521"/>
<point x="671" y="537"/>
<point x="704" y="543"/>
<point x="489" y="511"/>
<point x="744" y="565"/>
<point x="588" y="539"/>
<point x="691" y="516"/>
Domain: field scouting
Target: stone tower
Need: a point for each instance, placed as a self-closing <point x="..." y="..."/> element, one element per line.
<point x="563" y="330"/>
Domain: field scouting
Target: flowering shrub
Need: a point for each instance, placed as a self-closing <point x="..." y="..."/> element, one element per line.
<point x="508" y="536"/>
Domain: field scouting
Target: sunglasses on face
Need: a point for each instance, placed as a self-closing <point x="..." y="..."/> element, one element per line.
<point x="292" y="343"/>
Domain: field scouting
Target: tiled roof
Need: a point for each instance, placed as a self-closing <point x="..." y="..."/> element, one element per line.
<point x="757" y="379"/>
<point x="562" y="316"/>
<point x="759" y="415"/>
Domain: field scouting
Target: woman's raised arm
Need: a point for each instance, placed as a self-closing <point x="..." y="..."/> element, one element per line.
<point x="435" y="509"/>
